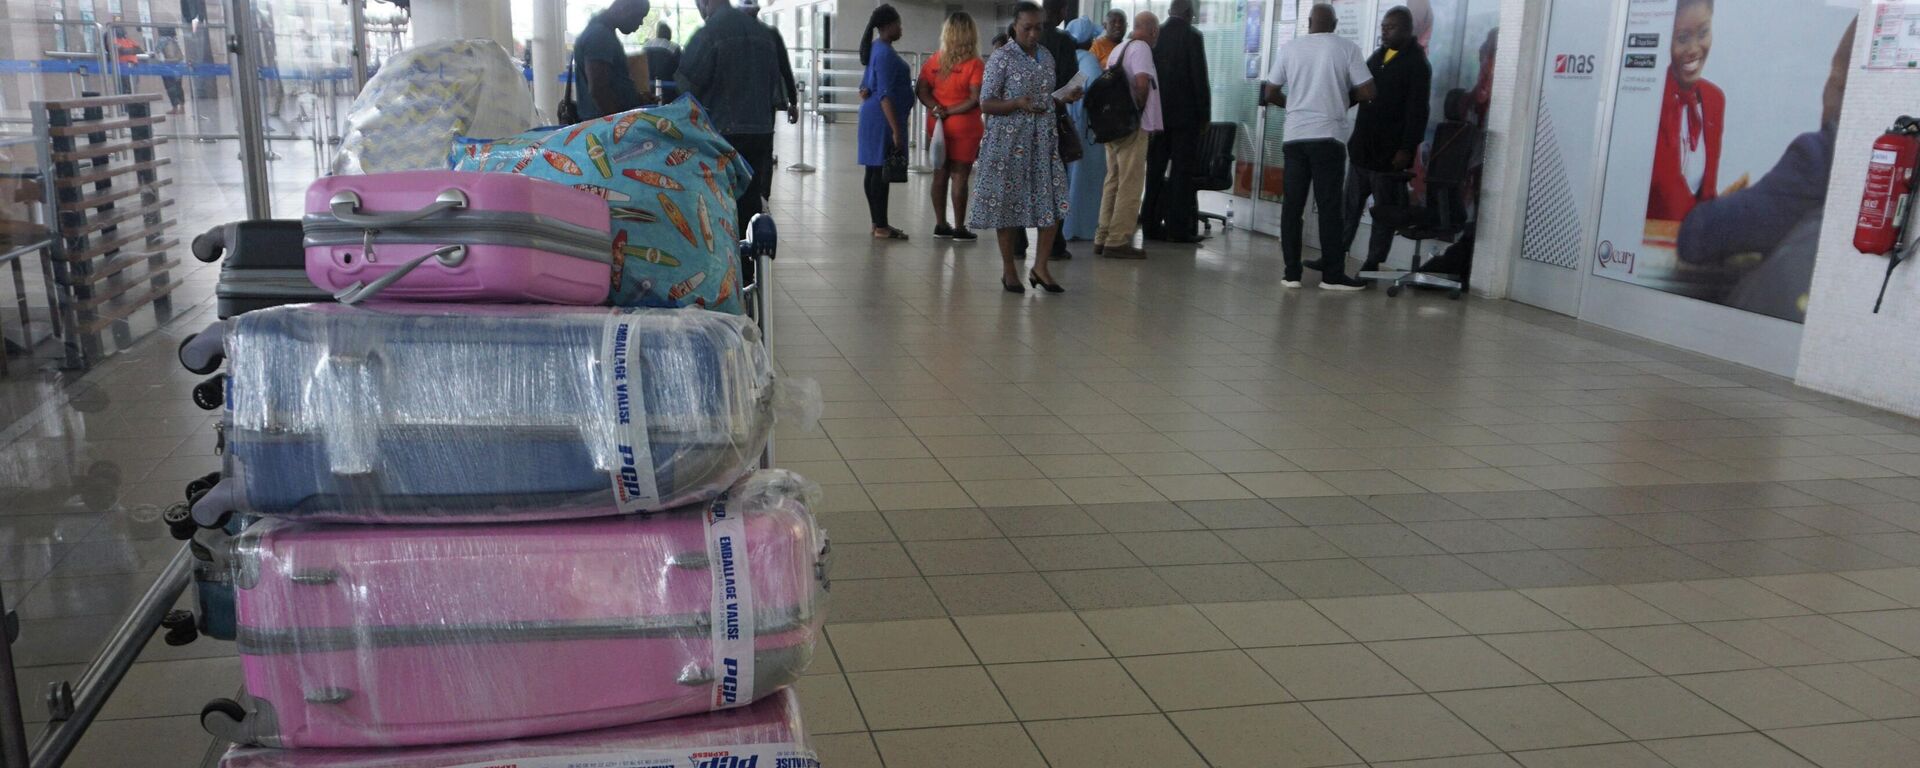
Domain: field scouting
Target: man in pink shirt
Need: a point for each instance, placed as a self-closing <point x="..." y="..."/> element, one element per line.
<point x="1127" y="158"/>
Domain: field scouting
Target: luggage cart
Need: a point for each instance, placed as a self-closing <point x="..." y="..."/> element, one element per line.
<point x="73" y="706"/>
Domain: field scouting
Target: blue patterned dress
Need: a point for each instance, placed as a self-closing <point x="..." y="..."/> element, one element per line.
<point x="1018" y="181"/>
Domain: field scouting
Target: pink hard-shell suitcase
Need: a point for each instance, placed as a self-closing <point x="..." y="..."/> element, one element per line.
<point x="360" y="636"/>
<point x="448" y="236"/>
<point x="765" y="734"/>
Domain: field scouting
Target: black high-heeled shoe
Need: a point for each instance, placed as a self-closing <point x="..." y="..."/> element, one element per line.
<point x="1013" y="287"/>
<point x="1034" y="278"/>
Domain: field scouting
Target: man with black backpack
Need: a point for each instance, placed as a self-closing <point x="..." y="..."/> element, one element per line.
<point x="1130" y="63"/>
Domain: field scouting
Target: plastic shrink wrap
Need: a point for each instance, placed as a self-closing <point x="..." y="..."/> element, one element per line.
<point x="357" y="635"/>
<point x="427" y="96"/>
<point x="769" y="730"/>
<point x="443" y="412"/>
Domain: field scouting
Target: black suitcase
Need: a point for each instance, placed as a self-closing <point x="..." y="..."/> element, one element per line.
<point x="266" y="265"/>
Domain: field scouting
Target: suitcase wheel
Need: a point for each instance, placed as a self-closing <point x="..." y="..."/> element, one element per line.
<point x="223" y="718"/>
<point x="179" y="520"/>
<point x="203" y="352"/>
<point x="210" y="394"/>
<point x="210" y="245"/>
<point x="180" y="628"/>
<point x="200" y="485"/>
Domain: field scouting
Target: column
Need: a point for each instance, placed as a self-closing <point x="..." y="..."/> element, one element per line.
<point x="549" y="52"/>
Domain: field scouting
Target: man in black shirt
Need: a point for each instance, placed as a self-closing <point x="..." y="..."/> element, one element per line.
<point x="1171" y="211"/>
<point x="1388" y="130"/>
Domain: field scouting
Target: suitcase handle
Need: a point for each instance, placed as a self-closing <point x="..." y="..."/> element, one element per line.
<point x="451" y="256"/>
<point x="346" y="208"/>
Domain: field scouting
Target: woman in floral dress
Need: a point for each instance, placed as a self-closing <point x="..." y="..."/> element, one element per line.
<point x="1018" y="181"/>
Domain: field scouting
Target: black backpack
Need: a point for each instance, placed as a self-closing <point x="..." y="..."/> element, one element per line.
<point x="1111" y="113"/>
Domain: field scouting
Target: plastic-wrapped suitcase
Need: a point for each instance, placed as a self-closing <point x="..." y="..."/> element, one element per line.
<point x="447" y="236"/>
<point x="765" y="734"/>
<point x="436" y="412"/>
<point x="358" y="635"/>
<point x="265" y="266"/>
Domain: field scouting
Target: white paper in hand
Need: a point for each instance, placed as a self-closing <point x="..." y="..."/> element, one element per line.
<point x="1079" y="81"/>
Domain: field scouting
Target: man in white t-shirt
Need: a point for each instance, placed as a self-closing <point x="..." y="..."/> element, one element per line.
<point x="1317" y="78"/>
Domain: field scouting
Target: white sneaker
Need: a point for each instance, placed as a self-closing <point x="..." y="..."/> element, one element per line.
<point x="1289" y="283"/>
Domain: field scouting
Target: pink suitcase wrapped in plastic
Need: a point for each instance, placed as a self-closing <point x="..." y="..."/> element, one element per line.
<point x="447" y="236"/>
<point x="359" y="636"/>
<point x="765" y="734"/>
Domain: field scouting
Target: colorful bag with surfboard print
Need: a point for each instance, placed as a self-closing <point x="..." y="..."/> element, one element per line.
<point x="670" y="181"/>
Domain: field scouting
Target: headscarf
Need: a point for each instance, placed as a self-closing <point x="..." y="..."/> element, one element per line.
<point x="1083" y="30"/>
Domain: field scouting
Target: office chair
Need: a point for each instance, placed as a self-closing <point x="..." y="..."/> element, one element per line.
<point x="1215" y="173"/>
<point x="1443" y="218"/>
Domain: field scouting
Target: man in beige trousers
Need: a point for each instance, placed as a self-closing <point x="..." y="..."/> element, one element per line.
<point x="1127" y="158"/>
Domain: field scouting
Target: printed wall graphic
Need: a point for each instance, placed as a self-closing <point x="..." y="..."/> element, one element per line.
<point x="1560" y="178"/>
<point x="1722" y="137"/>
<point x="1896" y="35"/>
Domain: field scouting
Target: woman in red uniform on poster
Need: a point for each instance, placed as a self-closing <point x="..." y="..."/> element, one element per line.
<point x="1686" y="152"/>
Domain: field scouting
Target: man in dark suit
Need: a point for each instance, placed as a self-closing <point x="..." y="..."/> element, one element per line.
<point x="1388" y="130"/>
<point x="1171" y="211"/>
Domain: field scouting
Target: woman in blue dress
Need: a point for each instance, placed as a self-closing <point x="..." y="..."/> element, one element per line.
<point x="886" y="96"/>
<point x="1084" y="177"/>
<point x="1018" y="181"/>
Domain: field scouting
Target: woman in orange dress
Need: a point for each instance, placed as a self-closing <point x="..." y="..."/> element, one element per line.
<point x="950" y="88"/>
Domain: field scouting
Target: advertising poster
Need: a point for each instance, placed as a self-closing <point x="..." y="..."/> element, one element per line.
<point x="1560" y="176"/>
<point x="1722" y="138"/>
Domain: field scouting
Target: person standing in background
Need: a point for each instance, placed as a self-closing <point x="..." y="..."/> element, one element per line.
<point x="1021" y="181"/>
<point x="1317" y="78"/>
<point x="663" y="62"/>
<point x="1112" y="35"/>
<point x="886" y="95"/>
<point x="170" y="52"/>
<point x="600" y="59"/>
<point x="1086" y="177"/>
<point x="1061" y="47"/>
<point x="1387" y="131"/>
<point x="1127" y="157"/>
<point x="1172" y="206"/>
<point x="950" y="89"/>
<point x="789" y="87"/>
<point x="126" y="53"/>
<point x="732" y="66"/>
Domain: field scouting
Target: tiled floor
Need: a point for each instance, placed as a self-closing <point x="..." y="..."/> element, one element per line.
<point x="1179" y="516"/>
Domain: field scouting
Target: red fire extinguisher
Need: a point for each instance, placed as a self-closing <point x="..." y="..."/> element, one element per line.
<point x="1889" y="193"/>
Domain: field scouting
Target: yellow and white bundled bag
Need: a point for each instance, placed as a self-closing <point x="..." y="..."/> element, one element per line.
<point x="425" y="98"/>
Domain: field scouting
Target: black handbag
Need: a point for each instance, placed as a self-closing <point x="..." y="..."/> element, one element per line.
<point x="895" y="166"/>
<point x="568" y="110"/>
<point x="1071" y="150"/>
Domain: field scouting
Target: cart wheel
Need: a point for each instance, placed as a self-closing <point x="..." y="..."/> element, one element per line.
<point x="223" y="718"/>
<point x="203" y="352"/>
<point x="180" y="628"/>
<point x="210" y="394"/>
<point x="1393" y="290"/>
<point x="1454" y="294"/>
